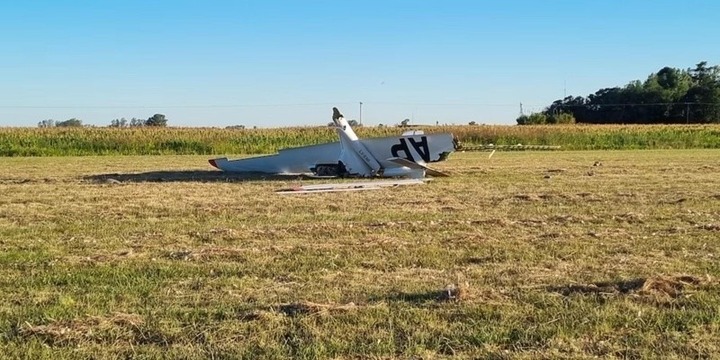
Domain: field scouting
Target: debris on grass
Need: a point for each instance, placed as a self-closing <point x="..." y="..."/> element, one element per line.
<point x="460" y="291"/>
<point x="711" y="227"/>
<point x="456" y="292"/>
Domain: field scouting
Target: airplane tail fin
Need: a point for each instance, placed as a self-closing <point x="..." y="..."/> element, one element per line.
<point x="342" y="125"/>
<point x="356" y="158"/>
<point x="413" y="165"/>
<point x="336" y="115"/>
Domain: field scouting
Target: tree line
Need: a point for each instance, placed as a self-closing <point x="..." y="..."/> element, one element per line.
<point x="669" y="96"/>
<point x="157" y="120"/>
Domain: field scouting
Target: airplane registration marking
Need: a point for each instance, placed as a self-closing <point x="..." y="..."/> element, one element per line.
<point x="421" y="147"/>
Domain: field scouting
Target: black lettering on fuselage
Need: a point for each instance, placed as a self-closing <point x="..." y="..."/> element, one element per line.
<point x="402" y="146"/>
<point x="421" y="147"/>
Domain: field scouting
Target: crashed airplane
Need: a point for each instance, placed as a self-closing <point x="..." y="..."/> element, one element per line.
<point x="402" y="156"/>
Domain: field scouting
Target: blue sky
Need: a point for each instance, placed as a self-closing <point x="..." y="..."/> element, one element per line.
<point x="286" y="63"/>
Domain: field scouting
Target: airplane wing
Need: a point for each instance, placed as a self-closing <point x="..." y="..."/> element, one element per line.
<point x="414" y="165"/>
<point x="287" y="161"/>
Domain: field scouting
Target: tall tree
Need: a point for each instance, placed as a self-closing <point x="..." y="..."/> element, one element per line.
<point x="664" y="97"/>
<point x="134" y="122"/>
<point x="122" y="122"/>
<point x="705" y="92"/>
<point x="46" y="123"/>
<point x="70" y="123"/>
<point x="156" y="120"/>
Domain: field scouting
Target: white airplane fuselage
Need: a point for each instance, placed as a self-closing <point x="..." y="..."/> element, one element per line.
<point x="396" y="156"/>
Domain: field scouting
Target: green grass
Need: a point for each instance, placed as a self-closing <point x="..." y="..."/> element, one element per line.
<point x="199" y="141"/>
<point x="545" y="256"/>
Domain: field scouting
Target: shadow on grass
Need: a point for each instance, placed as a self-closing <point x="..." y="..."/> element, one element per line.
<point x="667" y="285"/>
<point x="189" y="176"/>
<point x="417" y="298"/>
<point x="620" y="286"/>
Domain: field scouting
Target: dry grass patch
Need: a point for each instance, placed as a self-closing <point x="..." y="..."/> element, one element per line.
<point x="118" y="327"/>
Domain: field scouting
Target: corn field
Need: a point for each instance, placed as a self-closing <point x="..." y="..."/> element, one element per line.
<point x="214" y="141"/>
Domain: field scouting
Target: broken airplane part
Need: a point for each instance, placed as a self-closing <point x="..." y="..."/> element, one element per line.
<point x="398" y="156"/>
<point x="355" y="186"/>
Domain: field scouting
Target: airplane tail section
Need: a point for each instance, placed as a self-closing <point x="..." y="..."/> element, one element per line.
<point x="356" y="158"/>
<point x="342" y="125"/>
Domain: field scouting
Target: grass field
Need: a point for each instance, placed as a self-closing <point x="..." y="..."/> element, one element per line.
<point x="524" y="255"/>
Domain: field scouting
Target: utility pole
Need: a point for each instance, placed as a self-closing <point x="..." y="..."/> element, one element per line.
<point x="687" y="113"/>
<point x="361" y="113"/>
